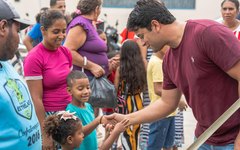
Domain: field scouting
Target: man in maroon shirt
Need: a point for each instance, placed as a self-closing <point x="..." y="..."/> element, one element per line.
<point x="203" y="64"/>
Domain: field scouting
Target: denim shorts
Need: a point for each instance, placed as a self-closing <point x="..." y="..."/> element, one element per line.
<point x="162" y="134"/>
<point x="206" y="146"/>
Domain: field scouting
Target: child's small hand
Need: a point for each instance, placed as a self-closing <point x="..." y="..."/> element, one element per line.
<point x="121" y="126"/>
<point x="182" y="105"/>
<point x="108" y="130"/>
<point x="109" y="127"/>
<point x="114" y="63"/>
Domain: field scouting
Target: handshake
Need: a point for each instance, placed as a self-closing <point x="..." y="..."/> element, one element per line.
<point x="114" y="123"/>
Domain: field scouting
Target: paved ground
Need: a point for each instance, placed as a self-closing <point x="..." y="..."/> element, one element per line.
<point x="189" y="126"/>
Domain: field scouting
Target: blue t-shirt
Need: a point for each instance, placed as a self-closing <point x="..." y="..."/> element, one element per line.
<point x="19" y="126"/>
<point x="35" y="34"/>
<point x="86" y="115"/>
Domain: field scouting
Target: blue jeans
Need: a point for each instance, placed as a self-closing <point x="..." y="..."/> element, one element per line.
<point x="206" y="146"/>
<point x="162" y="134"/>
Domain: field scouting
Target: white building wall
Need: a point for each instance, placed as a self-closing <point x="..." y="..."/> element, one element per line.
<point x="204" y="9"/>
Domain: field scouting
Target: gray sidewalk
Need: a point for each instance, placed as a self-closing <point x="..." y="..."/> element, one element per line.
<point x="189" y="127"/>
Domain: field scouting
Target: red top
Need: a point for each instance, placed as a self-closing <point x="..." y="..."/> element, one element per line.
<point x="198" y="68"/>
<point x="126" y="35"/>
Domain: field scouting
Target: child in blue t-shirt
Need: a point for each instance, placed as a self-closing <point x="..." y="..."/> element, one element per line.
<point x="79" y="88"/>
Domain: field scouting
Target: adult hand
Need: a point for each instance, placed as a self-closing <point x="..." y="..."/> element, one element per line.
<point x="106" y="122"/>
<point x="120" y="125"/>
<point x="182" y="105"/>
<point x="114" y="63"/>
<point x="115" y="117"/>
<point x="97" y="70"/>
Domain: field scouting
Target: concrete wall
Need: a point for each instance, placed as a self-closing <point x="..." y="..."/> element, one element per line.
<point x="204" y="9"/>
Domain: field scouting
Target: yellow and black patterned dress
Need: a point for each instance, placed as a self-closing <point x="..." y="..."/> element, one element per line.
<point x="133" y="103"/>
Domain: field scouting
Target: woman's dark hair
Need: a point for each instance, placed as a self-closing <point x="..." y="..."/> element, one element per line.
<point x="59" y="129"/>
<point x="147" y="10"/>
<point x="132" y="68"/>
<point x="86" y="7"/>
<point x="235" y="2"/>
<point x="49" y="17"/>
<point x="38" y="16"/>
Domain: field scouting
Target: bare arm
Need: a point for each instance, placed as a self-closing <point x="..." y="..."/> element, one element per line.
<point x="107" y="144"/>
<point x="159" y="109"/>
<point x="158" y="88"/>
<point x="28" y="42"/>
<point x="116" y="80"/>
<point x="36" y="91"/>
<point x="74" y="40"/>
<point x="91" y="126"/>
<point x="120" y="127"/>
<point x="234" y="72"/>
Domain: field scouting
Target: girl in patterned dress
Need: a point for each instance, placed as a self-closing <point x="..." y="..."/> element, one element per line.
<point x="130" y="78"/>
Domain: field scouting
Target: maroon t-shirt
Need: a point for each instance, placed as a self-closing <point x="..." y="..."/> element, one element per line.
<point x="198" y="68"/>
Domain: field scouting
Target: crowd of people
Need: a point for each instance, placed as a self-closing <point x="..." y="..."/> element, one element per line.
<point x="156" y="65"/>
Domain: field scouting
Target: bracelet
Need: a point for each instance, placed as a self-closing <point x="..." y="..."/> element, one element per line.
<point x="100" y="122"/>
<point x="84" y="61"/>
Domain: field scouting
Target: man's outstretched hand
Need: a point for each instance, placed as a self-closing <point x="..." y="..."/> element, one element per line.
<point x="115" y="118"/>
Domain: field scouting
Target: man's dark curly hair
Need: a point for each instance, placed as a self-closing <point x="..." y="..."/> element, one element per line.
<point x="147" y="10"/>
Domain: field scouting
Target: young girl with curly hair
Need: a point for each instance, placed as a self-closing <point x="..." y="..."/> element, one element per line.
<point x="64" y="128"/>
